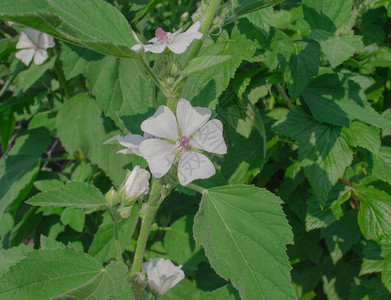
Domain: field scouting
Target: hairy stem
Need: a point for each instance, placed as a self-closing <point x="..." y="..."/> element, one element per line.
<point x="154" y="77"/>
<point x="117" y="242"/>
<point x="149" y="211"/>
<point x="204" y="29"/>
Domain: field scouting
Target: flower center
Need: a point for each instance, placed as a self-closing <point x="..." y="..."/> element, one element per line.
<point x="182" y="142"/>
<point x="161" y="35"/>
<point x="35" y="47"/>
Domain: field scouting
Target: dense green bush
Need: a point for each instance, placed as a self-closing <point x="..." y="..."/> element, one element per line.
<point x="293" y="200"/>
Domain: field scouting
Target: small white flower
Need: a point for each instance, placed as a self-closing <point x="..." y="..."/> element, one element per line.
<point x="162" y="274"/>
<point x="177" y="42"/>
<point x="136" y="184"/>
<point x="132" y="143"/>
<point x="194" y="131"/>
<point x="33" y="44"/>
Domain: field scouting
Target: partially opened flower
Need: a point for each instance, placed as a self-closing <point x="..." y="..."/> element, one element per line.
<point x="162" y="274"/>
<point x="33" y="44"/>
<point x="177" y="42"/>
<point x="136" y="184"/>
<point x="194" y="133"/>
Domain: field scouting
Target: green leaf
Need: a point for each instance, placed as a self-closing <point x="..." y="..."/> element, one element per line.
<point x="246" y="6"/>
<point x="324" y="153"/>
<point x="28" y="77"/>
<point x="76" y="59"/>
<point x="88" y="134"/>
<point x="318" y="216"/>
<point x="380" y="164"/>
<point x="302" y="68"/>
<point x="386" y="272"/>
<point x="362" y="135"/>
<point x="103" y="247"/>
<point x="340" y="48"/>
<point x="93" y="24"/>
<point x="180" y="233"/>
<point x="373" y="256"/>
<point x="371" y="289"/>
<point x="74" y="218"/>
<point x="342" y="235"/>
<point x="44" y="274"/>
<point x="202" y="63"/>
<point x="19" y="169"/>
<point x="261" y="19"/>
<point x="237" y="46"/>
<point x="73" y="195"/>
<point x="238" y="224"/>
<point x="112" y="283"/>
<point x="374" y="217"/>
<point x="138" y="103"/>
<point x="110" y="80"/>
<point x="328" y="15"/>
<point x="10" y="257"/>
<point x="337" y="100"/>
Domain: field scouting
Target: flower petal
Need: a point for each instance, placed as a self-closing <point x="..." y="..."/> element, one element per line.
<point x="40" y="56"/>
<point x="161" y="124"/>
<point x="46" y="41"/>
<point x="132" y="142"/>
<point x="159" y="48"/>
<point x="159" y="154"/>
<point x="210" y="138"/>
<point x="191" y="118"/>
<point x="33" y="35"/>
<point x="25" y="55"/>
<point x="24" y="42"/>
<point x="194" y="165"/>
<point x="180" y="43"/>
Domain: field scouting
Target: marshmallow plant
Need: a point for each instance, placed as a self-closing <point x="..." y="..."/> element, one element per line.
<point x="170" y="91"/>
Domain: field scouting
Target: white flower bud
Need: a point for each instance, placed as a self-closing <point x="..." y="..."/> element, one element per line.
<point x="162" y="274"/>
<point x="136" y="184"/>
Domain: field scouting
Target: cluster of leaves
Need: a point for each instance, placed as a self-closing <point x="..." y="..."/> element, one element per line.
<point x="304" y="92"/>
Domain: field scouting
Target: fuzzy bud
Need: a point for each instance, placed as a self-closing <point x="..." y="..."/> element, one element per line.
<point x="112" y="197"/>
<point x="136" y="184"/>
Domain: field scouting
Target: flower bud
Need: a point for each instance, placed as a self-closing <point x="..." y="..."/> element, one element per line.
<point x="137" y="183"/>
<point x="124" y="212"/>
<point x="162" y="274"/>
<point x="112" y="197"/>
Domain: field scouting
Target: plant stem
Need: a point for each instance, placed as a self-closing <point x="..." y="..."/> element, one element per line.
<point x="204" y="29"/>
<point x="285" y="96"/>
<point x="117" y="242"/>
<point x="149" y="211"/>
<point x="196" y="188"/>
<point x="154" y="77"/>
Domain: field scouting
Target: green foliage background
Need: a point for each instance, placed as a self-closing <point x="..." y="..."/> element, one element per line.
<point x="303" y="89"/>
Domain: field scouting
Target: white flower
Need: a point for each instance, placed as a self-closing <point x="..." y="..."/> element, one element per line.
<point x="136" y="184"/>
<point x="162" y="274"/>
<point x="194" y="131"/>
<point x="33" y="44"/>
<point x="132" y="143"/>
<point x="177" y="42"/>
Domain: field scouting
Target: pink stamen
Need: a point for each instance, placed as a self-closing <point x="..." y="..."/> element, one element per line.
<point x="35" y="47"/>
<point x="183" y="142"/>
<point x="161" y="35"/>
